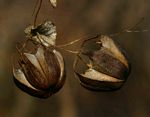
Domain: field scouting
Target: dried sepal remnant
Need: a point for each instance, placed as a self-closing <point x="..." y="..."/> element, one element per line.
<point x="108" y="68"/>
<point x="41" y="74"/>
<point x="44" y="33"/>
<point x="53" y="2"/>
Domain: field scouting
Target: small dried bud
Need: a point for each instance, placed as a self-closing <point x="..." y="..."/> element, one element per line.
<point x="41" y="74"/>
<point x="44" y="33"/>
<point x="109" y="67"/>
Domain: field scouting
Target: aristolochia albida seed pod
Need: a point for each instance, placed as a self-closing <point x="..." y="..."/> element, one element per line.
<point x="42" y="73"/>
<point x="108" y="69"/>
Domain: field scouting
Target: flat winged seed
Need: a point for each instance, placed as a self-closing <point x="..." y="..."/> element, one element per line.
<point x="94" y="80"/>
<point x="21" y="81"/>
<point x="62" y="73"/>
<point x="33" y="59"/>
<point x="54" y="70"/>
<point x="53" y="2"/>
<point x="95" y="75"/>
<point x="61" y="62"/>
<point x="109" y="44"/>
<point x="41" y="59"/>
<point x="19" y="75"/>
<point x="106" y="63"/>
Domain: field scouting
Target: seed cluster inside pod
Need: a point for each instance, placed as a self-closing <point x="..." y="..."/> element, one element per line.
<point x="107" y="65"/>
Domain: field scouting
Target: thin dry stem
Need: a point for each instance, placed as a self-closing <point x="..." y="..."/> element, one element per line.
<point x="37" y="12"/>
<point x="36" y="4"/>
<point x="129" y="28"/>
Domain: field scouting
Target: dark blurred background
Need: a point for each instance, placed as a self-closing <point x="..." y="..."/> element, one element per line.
<point x="75" y="19"/>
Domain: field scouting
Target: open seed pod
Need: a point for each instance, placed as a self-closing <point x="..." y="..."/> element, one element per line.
<point x="44" y="33"/>
<point x="41" y="74"/>
<point x="108" y="68"/>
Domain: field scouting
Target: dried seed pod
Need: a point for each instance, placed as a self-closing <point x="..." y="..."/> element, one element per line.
<point x="41" y="74"/>
<point x="108" y="68"/>
<point x="44" y="33"/>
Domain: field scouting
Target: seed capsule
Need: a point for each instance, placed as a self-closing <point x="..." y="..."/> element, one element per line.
<point x="41" y="74"/>
<point x="108" y="69"/>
